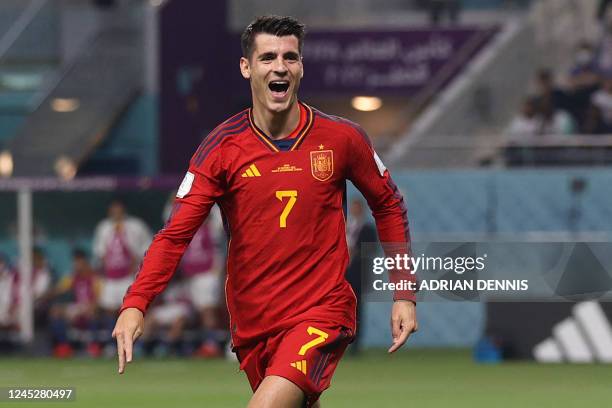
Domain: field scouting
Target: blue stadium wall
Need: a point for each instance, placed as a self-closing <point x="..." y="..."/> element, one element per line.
<point x="440" y="203"/>
<point x="551" y="204"/>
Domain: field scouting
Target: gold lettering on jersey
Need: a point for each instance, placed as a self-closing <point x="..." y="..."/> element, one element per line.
<point x="322" y="164"/>
<point x="286" y="168"/>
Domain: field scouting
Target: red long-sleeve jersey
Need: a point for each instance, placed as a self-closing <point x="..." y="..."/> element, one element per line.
<point x="283" y="209"/>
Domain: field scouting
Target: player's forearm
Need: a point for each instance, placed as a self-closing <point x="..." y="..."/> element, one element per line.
<point x="395" y="240"/>
<point x="156" y="270"/>
<point x="165" y="252"/>
<point x="393" y="232"/>
<point x="392" y="223"/>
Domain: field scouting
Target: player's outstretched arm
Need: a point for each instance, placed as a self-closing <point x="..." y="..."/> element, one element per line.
<point x="128" y="328"/>
<point x="373" y="180"/>
<point x="403" y="322"/>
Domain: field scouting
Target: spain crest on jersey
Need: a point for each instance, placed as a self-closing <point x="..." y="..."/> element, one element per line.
<point x="322" y="164"/>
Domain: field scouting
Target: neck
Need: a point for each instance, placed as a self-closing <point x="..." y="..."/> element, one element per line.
<point x="277" y="125"/>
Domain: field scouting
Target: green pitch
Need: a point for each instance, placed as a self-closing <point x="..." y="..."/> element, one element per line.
<point x="415" y="378"/>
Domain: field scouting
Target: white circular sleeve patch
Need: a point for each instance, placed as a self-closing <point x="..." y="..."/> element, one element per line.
<point x="185" y="186"/>
<point x="379" y="164"/>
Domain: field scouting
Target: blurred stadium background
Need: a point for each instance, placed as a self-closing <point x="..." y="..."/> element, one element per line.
<point x="494" y="116"/>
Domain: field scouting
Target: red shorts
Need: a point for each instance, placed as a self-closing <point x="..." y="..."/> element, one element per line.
<point x="306" y="355"/>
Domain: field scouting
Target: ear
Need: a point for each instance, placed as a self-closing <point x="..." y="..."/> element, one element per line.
<point x="302" y="60"/>
<point x="245" y="68"/>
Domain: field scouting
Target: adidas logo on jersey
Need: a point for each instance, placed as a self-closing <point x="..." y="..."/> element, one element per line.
<point x="300" y="365"/>
<point x="252" y="171"/>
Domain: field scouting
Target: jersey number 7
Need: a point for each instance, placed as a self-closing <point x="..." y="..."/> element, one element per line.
<point x="292" y="194"/>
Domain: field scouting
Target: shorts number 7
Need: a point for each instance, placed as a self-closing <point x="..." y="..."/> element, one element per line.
<point x="322" y="336"/>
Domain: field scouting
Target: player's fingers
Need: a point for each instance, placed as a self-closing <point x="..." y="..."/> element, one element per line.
<point x="137" y="334"/>
<point x="404" y="335"/>
<point x="120" y="353"/>
<point x="395" y="333"/>
<point x="395" y="328"/>
<point x="400" y="340"/>
<point x="397" y="343"/>
<point x="128" y="348"/>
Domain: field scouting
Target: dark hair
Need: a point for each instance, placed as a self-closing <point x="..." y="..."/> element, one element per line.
<point x="531" y="100"/>
<point x="79" y="253"/>
<point x="117" y="198"/>
<point x="275" y="25"/>
<point x="545" y="74"/>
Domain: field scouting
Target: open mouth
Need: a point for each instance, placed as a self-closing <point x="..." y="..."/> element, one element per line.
<point x="279" y="86"/>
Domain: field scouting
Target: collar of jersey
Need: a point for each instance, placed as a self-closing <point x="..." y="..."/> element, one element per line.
<point x="297" y="140"/>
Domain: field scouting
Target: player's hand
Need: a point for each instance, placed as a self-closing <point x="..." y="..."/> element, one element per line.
<point x="403" y="322"/>
<point x="128" y="328"/>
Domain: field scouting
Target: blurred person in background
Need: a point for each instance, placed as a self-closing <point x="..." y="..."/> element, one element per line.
<point x="525" y="124"/>
<point x="583" y="72"/>
<point x="583" y="80"/>
<point x="358" y="231"/>
<point x="76" y="306"/>
<point x="547" y="90"/>
<point x="553" y="120"/>
<point x="539" y="117"/>
<point x="42" y="282"/>
<point x="119" y="244"/>
<point x="600" y="116"/>
<point x="8" y="295"/>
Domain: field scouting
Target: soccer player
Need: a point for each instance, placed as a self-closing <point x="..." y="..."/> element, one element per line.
<point x="278" y="172"/>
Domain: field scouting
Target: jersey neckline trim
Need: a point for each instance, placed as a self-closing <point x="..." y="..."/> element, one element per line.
<point x="298" y="139"/>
